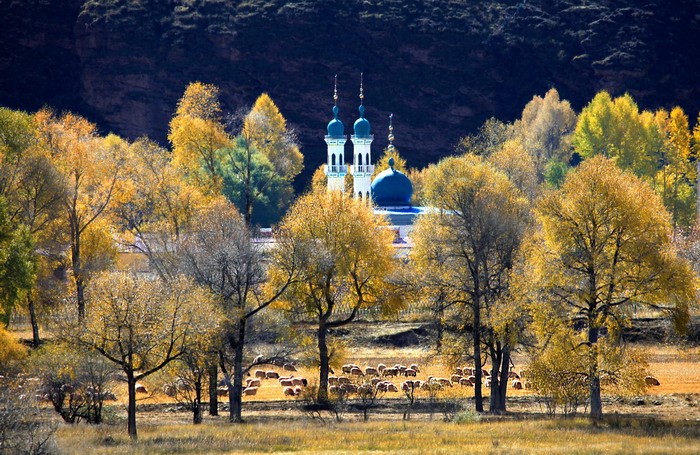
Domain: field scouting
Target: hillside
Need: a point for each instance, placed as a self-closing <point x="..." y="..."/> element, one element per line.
<point x="442" y="67"/>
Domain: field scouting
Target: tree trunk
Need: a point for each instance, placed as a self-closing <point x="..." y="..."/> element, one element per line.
<point x="593" y="375"/>
<point x="495" y="396"/>
<point x="235" y="398"/>
<point x="323" y="361"/>
<point x="478" y="398"/>
<point x="212" y="370"/>
<point x="503" y="383"/>
<point x="34" y="322"/>
<point x="440" y="329"/>
<point x="131" y="409"/>
<point x="78" y="273"/>
<point x="197" y="404"/>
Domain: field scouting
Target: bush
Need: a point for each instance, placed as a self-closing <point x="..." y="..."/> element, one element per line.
<point x="467" y="416"/>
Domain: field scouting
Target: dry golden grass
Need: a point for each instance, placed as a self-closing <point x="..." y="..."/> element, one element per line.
<point x="513" y="437"/>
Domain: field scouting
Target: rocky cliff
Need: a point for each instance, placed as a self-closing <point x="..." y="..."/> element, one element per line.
<point x="442" y="67"/>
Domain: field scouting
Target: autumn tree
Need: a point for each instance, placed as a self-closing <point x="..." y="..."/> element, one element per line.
<point x="220" y="254"/>
<point x="489" y="138"/>
<point x="382" y="163"/>
<point x="159" y="205"/>
<point x="513" y="160"/>
<point x="197" y="133"/>
<point x="141" y="325"/>
<point x="604" y="244"/>
<point x="266" y="130"/>
<point x="675" y="180"/>
<point x="343" y="254"/>
<point x="545" y="129"/>
<point x="91" y="167"/>
<point x="464" y="252"/>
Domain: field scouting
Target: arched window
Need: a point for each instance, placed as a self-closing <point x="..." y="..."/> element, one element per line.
<point x="367" y="160"/>
<point x="340" y="159"/>
<point x="359" y="194"/>
<point x="359" y="160"/>
<point x="368" y="195"/>
<point x="333" y="159"/>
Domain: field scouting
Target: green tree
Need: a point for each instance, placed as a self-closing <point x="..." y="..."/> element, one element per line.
<point x="464" y="252"/>
<point x="17" y="264"/>
<point x="342" y="253"/>
<point x="251" y="182"/>
<point x="617" y="130"/>
<point x="604" y="245"/>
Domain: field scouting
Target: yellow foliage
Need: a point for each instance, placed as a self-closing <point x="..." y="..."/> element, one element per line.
<point x="11" y="351"/>
<point x="266" y="130"/>
<point x="383" y="162"/>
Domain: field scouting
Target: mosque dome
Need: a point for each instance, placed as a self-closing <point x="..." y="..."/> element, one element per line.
<point x="391" y="188"/>
<point x="335" y="126"/>
<point x="361" y="127"/>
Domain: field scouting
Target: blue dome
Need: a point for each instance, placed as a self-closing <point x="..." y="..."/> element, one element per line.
<point x="361" y="126"/>
<point x="391" y="188"/>
<point x="335" y="126"/>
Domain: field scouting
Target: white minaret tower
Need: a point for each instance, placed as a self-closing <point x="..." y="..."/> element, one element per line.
<point x="362" y="167"/>
<point x="335" y="167"/>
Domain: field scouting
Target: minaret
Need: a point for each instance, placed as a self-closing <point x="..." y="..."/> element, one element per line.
<point x="362" y="167"/>
<point x="335" y="167"/>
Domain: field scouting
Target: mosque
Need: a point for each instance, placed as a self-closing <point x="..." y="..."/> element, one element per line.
<point x="390" y="191"/>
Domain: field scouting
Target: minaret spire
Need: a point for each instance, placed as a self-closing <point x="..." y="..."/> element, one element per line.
<point x="362" y="91"/>
<point x="391" y="133"/>
<point x="335" y="90"/>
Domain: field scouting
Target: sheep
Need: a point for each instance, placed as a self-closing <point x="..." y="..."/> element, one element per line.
<point x="513" y="375"/>
<point x="289" y="391"/>
<point x="411" y="372"/>
<point x="222" y="391"/>
<point x="442" y="381"/>
<point x="487" y="383"/>
<point x="297" y="390"/>
<point x="366" y="389"/>
<point x="346" y="368"/>
<point x="349" y="388"/>
<point x="458" y="372"/>
<point x="332" y="380"/>
<point x="287" y="382"/>
<point x="355" y="371"/>
<point x="407" y="385"/>
<point x="390" y="372"/>
<point x="415" y="367"/>
<point x="260" y="374"/>
<point x="300" y="382"/>
<point x="467" y="371"/>
<point x="651" y="380"/>
<point x="272" y="375"/>
<point x="258" y="359"/>
<point x="140" y="388"/>
<point x="391" y="387"/>
<point x="465" y="382"/>
<point x="371" y="371"/>
<point x="516" y="384"/>
<point x="334" y="389"/>
<point x="402" y="369"/>
<point x="250" y="391"/>
<point x="343" y="380"/>
<point x="250" y="382"/>
<point x="455" y="378"/>
<point x="381" y="367"/>
<point x="289" y="367"/>
<point x="375" y="381"/>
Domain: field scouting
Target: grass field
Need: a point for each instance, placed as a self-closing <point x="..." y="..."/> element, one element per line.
<point x="502" y="437"/>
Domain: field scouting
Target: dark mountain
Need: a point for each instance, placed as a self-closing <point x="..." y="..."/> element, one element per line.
<point x="442" y="67"/>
